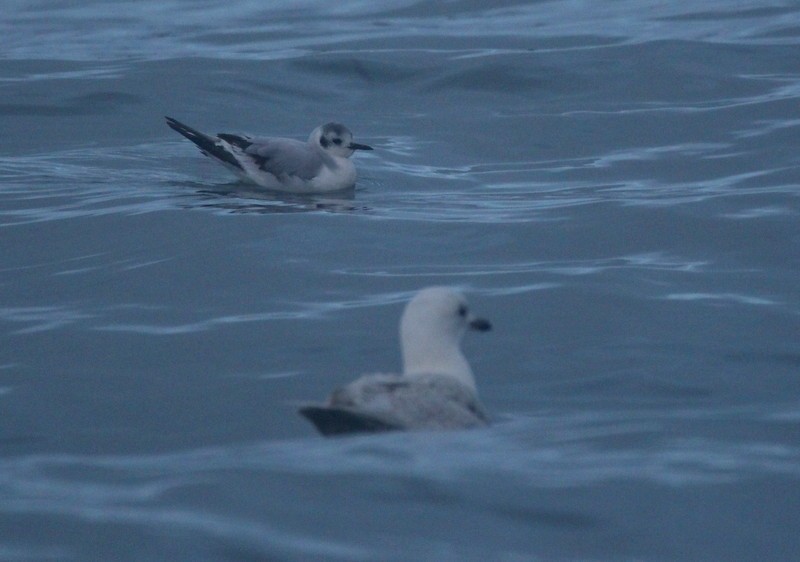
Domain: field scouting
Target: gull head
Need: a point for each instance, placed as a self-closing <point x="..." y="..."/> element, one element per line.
<point x="335" y="139"/>
<point x="431" y="329"/>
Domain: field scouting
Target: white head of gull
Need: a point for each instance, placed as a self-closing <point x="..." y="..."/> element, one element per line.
<point x="437" y="388"/>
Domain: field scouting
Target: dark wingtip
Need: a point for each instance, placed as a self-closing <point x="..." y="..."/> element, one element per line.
<point x="176" y="125"/>
<point x="206" y="144"/>
<point x="235" y="140"/>
<point x="338" y="421"/>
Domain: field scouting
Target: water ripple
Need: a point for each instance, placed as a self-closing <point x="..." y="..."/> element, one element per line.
<point x="145" y="178"/>
<point x="546" y="449"/>
<point x="42" y="318"/>
<point x="648" y="261"/>
<point x="148" y="30"/>
<point x="180" y="492"/>
<point x="739" y="299"/>
<point x="78" y="183"/>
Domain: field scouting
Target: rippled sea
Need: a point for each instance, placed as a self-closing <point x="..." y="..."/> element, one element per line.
<point x="614" y="184"/>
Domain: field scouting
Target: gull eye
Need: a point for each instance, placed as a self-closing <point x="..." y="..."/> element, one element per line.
<point x="337" y="141"/>
<point x="462" y="311"/>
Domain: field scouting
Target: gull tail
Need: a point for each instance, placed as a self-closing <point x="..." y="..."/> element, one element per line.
<point x="208" y="145"/>
<point x="338" y="421"/>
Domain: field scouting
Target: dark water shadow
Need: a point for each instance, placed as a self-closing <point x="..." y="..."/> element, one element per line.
<point x="241" y="198"/>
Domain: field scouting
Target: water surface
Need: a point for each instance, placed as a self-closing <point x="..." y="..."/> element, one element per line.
<point x="613" y="185"/>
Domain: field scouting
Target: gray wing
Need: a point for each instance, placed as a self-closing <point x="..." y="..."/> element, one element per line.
<point x="422" y="402"/>
<point x="285" y="157"/>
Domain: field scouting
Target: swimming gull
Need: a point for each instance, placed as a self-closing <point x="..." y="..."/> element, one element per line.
<point x="317" y="166"/>
<point x="436" y="390"/>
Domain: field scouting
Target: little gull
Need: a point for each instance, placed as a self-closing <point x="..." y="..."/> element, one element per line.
<point x="320" y="165"/>
<point x="436" y="390"/>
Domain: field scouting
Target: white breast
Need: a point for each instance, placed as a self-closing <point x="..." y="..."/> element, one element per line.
<point x="342" y="176"/>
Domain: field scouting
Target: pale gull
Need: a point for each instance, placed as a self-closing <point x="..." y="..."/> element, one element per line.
<point x="322" y="164"/>
<point x="436" y="390"/>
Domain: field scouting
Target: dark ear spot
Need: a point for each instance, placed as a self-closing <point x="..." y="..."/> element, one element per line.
<point x="325" y="143"/>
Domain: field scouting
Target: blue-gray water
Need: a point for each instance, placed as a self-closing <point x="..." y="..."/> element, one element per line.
<point x="614" y="184"/>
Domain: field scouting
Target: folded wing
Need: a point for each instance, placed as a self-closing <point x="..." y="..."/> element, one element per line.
<point x="388" y="402"/>
<point x="283" y="158"/>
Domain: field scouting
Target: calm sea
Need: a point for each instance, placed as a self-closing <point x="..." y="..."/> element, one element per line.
<point x="613" y="184"/>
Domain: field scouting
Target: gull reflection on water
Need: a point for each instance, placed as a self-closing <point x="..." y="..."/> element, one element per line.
<point x="240" y="198"/>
